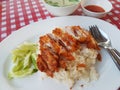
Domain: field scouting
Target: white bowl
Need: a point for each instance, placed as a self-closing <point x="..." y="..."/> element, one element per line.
<point x="105" y="4"/>
<point x="61" y="11"/>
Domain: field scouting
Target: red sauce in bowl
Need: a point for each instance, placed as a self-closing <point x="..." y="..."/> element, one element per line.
<point x="94" y="8"/>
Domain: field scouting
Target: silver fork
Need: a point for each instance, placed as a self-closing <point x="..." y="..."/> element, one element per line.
<point x="103" y="41"/>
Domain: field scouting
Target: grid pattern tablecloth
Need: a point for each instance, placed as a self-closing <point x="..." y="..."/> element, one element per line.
<point x="15" y="14"/>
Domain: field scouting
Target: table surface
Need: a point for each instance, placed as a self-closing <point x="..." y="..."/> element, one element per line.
<point x="15" y="14"/>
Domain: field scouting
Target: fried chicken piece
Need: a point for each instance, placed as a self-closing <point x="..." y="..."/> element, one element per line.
<point x="69" y="40"/>
<point x="56" y="49"/>
<point x="51" y="59"/>
<point x="62" y="64"/>
<point x="79" y="32"/>
<point x="85" y="37"/>
<point x="42" y="66"/>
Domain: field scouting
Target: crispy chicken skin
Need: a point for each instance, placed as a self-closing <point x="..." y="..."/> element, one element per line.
<point x="56" y="48"/>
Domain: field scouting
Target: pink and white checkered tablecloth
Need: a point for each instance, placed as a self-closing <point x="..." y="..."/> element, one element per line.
<point x="15" y="14"/>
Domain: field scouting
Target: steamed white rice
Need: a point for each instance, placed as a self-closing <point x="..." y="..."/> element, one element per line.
<point x="73" y="74"/>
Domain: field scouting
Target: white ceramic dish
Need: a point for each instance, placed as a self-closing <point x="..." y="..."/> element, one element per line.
<point x="109" y="74"/>
<point x="61" y="11"/>
<point x="105" y="4"/>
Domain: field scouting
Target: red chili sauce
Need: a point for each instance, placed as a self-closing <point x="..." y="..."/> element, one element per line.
<point x="94" y="8"/>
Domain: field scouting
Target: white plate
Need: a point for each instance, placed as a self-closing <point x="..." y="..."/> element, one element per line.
<point x="109" y="74"/>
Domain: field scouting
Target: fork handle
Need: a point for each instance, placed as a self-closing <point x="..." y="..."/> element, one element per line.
<point x="115" y="55"/>
<point x="117" y="52"/>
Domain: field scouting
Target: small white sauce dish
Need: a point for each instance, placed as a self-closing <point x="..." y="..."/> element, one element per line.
<point x="104" y="4"/>
<point x="61" y="10"/>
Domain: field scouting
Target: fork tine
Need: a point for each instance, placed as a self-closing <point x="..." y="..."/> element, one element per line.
<point x="97" y="31"/>
<point x="99" y="34"/>
<point x="93" y="32"/>
<point x="90" y="29"/>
